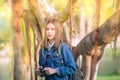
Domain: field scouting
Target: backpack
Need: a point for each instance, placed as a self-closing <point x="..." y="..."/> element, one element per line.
<point x="78" y="75"/>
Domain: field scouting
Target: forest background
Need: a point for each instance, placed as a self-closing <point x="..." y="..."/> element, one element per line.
<point x="109" y="68"/>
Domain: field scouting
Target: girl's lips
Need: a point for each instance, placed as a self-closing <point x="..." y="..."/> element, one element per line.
<point x="49" y="35"/>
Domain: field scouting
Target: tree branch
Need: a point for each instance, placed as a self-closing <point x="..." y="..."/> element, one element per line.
<point x="34" y="7"/>
<point x="65" y="14"/>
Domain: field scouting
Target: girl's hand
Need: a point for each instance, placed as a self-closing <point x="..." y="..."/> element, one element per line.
<point x="39" y="71"/>
<point x="49" y="71"/>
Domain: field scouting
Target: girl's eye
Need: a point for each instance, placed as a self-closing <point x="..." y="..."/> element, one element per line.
<point x="47" y="28"/>
<point x="52" y="29"/>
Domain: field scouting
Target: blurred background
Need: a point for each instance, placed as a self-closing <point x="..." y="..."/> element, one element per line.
<point x="109" y="68"/>
<point x="6" y="52"/>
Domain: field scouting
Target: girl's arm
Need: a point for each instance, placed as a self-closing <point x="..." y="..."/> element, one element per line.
<point x="40" y="68"/>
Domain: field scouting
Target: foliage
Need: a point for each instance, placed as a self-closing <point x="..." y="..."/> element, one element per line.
<point x="2" y="2"/>
<point x="5" y="24"/>
<point x="59" y="6"/>
<point x="109" y="52"/>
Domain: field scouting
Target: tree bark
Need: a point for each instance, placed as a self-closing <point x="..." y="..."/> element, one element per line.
<point x="65" y="14"/>
<point x="18" y="39"/>
<point x="35" y="9"/>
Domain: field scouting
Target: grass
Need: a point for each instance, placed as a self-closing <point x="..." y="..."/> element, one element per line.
<point x="113" y="77"/>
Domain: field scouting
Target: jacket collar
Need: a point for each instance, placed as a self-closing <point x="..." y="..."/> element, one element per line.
<point x="51" y="45"/>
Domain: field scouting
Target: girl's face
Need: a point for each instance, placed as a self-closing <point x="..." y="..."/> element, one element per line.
<point x="50" y="31"/>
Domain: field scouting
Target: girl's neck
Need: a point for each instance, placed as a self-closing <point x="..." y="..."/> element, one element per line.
<point x="51" y="41"/>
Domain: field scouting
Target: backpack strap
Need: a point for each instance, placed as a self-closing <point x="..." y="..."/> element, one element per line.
<point x="60" y="53"/>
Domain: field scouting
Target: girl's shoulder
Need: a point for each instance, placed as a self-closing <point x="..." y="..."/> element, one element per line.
<point x="64" y="45"/>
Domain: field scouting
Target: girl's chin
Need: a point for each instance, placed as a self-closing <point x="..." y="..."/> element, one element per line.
<point x="50" y="39"/>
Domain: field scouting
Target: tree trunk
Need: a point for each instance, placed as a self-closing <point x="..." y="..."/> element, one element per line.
<point x="18" y="39"/>
<point x="106" y="34"/>
<point x="29" y="49"/>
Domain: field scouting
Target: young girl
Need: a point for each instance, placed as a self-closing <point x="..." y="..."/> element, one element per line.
<point x="52" y="65"/>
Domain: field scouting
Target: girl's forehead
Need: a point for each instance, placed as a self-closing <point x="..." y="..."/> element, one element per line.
<point x="50" y="25"/>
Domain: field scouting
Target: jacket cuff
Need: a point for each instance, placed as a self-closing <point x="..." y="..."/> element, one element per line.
<point x="57" y="71"/>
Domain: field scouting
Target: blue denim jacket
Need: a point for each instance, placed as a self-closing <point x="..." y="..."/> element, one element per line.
<point x="49" y="58"/>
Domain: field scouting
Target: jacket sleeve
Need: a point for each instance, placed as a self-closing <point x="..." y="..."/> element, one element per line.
<point x="41" y="62"/>
<point x="40" y="58"/>
<point x="68" y="60"/>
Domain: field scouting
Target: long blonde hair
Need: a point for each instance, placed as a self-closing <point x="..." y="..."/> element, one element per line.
<point x="59" y="33"/>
